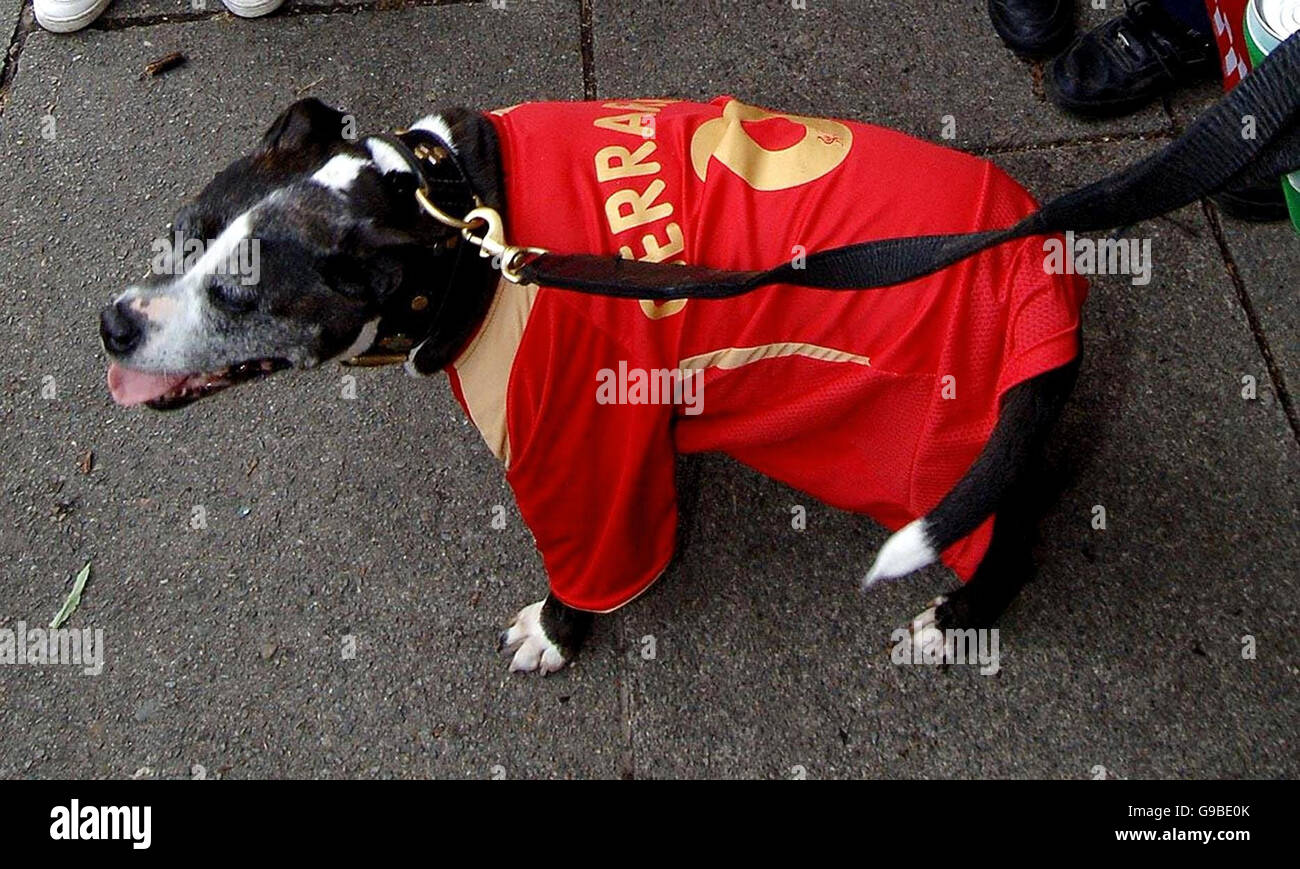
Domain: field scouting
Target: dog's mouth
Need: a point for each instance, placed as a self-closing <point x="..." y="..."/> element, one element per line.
<point x="170" y="391"/>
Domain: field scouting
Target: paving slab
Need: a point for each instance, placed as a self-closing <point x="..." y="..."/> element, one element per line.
<point x="1125" y="654"/>
<point x="326" y="518"/>
<point x="1268" y="260"/>
<point x="896" y="65"/>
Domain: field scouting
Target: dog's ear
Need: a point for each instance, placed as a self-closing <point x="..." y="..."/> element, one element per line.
<point x="305" y="124"/>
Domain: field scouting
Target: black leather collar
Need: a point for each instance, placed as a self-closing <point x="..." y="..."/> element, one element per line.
<point x="439" y="172"/>
<point x="412" y="323"/>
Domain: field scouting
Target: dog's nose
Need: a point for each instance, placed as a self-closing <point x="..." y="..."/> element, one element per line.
<point x="119" y="329"/>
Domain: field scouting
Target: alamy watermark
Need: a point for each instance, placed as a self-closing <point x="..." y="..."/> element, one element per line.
<point x="74" y="821"/>
<point x="177" y="255"/>
<point x="934" y="647"/>
<point x="83" y="648"/>
<point x="1073" y="255"/>
<point x="683" y="387"/>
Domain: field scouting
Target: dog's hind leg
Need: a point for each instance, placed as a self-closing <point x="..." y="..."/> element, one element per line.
<point x="1007" y="565"/>
<point x="1014" y="454"/>
<point x="1002" y="481"/>
<point x="994" y="480"/>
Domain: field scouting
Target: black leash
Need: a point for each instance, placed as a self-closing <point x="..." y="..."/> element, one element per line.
<point x="1211" y="155"/>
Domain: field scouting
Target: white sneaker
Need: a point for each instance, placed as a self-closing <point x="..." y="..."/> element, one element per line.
<point x="65" y="16"/>
<point x="252" y="8"/>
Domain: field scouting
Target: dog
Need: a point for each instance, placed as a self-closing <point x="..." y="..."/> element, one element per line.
<point x="925" y="405"/>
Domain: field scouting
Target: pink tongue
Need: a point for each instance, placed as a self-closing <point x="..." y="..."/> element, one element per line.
<point x="135" y="387"/>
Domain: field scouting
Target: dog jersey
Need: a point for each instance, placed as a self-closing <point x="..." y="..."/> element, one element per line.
<point x="874" y="401"/>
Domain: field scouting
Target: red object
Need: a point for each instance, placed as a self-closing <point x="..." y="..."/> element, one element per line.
<point x="1229" y="19"/>
<point x="874" y="401"/>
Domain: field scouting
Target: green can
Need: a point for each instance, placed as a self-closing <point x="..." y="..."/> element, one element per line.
<point x="1268" y="24"/>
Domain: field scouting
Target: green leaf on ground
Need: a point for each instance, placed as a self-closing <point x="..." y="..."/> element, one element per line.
<point x="74" y="598"/>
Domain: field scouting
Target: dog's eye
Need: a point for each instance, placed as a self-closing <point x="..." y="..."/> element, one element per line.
<point x="231" y="295"/>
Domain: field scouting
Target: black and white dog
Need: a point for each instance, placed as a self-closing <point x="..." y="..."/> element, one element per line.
<point x="342" y="243"/>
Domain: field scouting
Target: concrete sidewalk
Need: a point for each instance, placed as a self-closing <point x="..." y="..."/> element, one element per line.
<point x="372" y="518"/>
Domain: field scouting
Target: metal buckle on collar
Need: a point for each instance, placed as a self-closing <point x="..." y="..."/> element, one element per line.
<point x="431" y="209"/>
<point x="422" y="158"/>
<point x="407" y="320"/>
<point x="482" y="226"/>
<point x="506" y="258"/>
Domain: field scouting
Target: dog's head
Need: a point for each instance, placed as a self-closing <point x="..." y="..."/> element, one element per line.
<point x="284" y="260"/>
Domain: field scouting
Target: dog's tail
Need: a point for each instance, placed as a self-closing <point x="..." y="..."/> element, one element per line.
<point x="1028" y="411"/>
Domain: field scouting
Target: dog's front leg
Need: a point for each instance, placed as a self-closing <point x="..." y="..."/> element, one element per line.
<point x="545" y="636"/>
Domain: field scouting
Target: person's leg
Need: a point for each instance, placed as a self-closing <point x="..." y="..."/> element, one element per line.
<point x="1120" y="66"/>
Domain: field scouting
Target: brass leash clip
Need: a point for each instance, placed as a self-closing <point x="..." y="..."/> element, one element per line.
<point x="507" y="258"/>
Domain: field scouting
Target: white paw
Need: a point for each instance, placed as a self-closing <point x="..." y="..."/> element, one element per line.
<point x="533" y="651"/>
<point x="928" y="640"/>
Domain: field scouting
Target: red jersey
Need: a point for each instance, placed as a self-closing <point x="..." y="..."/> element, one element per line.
<point x="874" y="401"/>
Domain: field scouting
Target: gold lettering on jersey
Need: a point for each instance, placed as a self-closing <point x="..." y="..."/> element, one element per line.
<point x="824" y="146"/>
<point x="637" y="204"/>
<point x="656" y="252"/>
<point x="617" y="162"/>
<point x="627" y="209"/>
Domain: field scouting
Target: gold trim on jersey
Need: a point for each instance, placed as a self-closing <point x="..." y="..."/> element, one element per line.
<point x="728" y="358"/>
<point x="484" y="368"/>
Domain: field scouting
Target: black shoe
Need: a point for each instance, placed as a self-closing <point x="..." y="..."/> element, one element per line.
<point x="1033" y="28"/>
<point x="1262" y="203"/>
<point x="1122" y="65"/>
